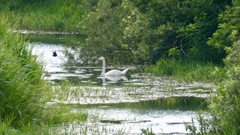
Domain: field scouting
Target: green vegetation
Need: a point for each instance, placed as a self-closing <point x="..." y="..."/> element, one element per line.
<point x="131" y="31"/>
<point x="224" y="106"/>
<point x="23" y="93"/>
<point x="188" y="70"/>
<point x="182" y="38"/>
<point x="142" y="32"/>
<point x="41" y="15"/>
<point x="20" y="84"/>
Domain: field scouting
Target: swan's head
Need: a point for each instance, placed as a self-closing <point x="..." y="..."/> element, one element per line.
<point x="101" y="58"/>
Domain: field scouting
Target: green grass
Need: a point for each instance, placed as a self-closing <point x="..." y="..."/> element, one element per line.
<point x="187" y="70"/>
<point x="20" y="83"/>
<point x="23" y="93"/>
<point x="45" y="16"/>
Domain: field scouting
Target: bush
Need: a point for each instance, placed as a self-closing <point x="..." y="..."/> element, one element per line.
<point x="225" y="106"/>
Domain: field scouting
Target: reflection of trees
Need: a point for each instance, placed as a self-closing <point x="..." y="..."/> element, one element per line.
<point x="182" y="103"/>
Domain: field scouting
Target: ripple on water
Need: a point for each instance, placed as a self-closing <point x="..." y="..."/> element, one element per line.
<point x="120" y="105"/>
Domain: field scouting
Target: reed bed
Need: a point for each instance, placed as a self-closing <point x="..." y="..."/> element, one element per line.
<point x="23" y="92"/>
<point x="49" y="15"/>
<point x="188" y="70"/>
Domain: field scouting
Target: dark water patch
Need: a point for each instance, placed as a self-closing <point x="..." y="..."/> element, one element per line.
<point x="63" y="39"/>
<point x="111" y="121"/>
<point x="172" y="103"/>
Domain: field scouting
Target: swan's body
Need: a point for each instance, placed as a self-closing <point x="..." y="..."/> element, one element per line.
<point x="113" y="72"/>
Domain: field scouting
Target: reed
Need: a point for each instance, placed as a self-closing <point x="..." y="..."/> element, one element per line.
<point x="188" y="70"/>
<point x="49" y="15"/>
<point x="23" y="93"/>
<point x="20" y="84"/>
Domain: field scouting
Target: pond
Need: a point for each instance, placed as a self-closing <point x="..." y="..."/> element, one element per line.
<point x="117" y="106"/>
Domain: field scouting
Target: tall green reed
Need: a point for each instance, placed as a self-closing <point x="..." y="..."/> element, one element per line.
<point x="188" y="70"/>
<point x="20" y="83"/>
<point x="46" y="15"/>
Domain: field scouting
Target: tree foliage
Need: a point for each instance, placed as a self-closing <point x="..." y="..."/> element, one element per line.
<point x="224" y="105"/>
<point x="116" y="29"/>
<point x="146" y="31"/>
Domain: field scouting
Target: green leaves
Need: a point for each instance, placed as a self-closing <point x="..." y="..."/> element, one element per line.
<point x="116" y="29"/>
<point x="20" y="83"/>
<point x="228" y="30"/>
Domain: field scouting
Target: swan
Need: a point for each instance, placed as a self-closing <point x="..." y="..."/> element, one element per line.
<point x="113" y="72"/>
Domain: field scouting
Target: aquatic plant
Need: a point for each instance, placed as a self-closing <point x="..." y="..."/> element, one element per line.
<point x="23" y="92"/>
<point x="51" y="16"/>
<point x="188" y="70"/>
<point x="20" y="83"/>
<point x="147" y="132"/>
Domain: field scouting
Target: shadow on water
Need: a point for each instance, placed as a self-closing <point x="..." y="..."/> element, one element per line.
<point x="172" y="103"/>
<point x="68" y="40"/>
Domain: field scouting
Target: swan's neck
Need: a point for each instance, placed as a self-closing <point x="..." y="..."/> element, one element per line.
<point x="103" y="67"/>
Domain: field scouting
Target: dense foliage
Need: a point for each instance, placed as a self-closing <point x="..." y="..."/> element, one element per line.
<point x="132" y="32"/>
<point x="140" y="32"/>
<point x="43" y="15"/>
<point x="224" y="106"/>
<point x="20" y="84"/>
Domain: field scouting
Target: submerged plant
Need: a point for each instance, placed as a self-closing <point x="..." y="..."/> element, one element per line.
<point x="147" y="132"/>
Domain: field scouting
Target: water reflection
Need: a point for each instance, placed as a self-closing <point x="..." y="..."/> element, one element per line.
<point x="172" y="103"/>
<point x="67" y="40"/>
<point x="167" y="115"/>
<point x="134" y="102"/>
<point x="112" y="79"/>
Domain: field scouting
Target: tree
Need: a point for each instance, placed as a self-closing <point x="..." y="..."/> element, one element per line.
<point x="115" y="28"/>
<point x="227" y="32"/>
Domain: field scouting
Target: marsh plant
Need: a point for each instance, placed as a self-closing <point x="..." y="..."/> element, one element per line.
<point x="24" y="93"/>
<point x="188" y="70"/>
<point x="20" y="83"/>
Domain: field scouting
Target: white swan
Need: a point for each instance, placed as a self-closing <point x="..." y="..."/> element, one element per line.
<point x="113" y="72"/>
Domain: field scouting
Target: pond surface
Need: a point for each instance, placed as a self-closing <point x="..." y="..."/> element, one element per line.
<point x="118" y="105"/>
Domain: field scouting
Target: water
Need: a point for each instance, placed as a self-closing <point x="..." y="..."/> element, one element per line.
<point x="118" y="105"/>
<point x="162" y="116"/>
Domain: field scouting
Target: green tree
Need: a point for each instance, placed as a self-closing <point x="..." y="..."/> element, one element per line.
<point x="115" y="28"/>
<point x="194" y="36"/>
<point x="227" y="32"/>
<point x="182" y="25"/>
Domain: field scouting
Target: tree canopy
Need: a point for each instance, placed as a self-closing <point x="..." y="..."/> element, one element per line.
<point x="142" y="32"/>
<point x="137" y="31"/>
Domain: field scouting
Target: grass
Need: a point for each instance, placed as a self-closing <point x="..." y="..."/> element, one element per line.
<point x="45" y="16"/>
<point x="20" y="83"/>
<point x="23" y="93"/>
<point x="188" y="70"/>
